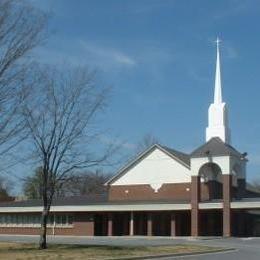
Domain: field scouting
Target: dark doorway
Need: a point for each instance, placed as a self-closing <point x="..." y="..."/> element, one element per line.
<point x="246" y="223"/>
<point x="100" y="225"/>
<point x="140" y="224"/>
<point x="161" y="224"/>
<point x="120" y="224"/>
<point x="211" y="223"/>
<point x="183" y="223"/>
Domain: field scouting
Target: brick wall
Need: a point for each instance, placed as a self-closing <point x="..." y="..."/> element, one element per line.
<point x="179" y="191"/>
<point x="83" y="225"/>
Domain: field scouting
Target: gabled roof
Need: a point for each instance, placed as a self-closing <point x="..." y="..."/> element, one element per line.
<point x="180" y="155"/>
<point x="176" y="155"/>
<point x="215" y="147"/>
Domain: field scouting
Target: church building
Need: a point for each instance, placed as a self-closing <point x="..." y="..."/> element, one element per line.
<point x="162" y="192"/>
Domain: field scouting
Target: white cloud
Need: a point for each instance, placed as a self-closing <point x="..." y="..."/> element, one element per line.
<point x="107" y="55"/>
<point x="79" y="52"/>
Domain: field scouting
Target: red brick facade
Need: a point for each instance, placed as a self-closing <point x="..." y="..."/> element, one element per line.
<point x="174" y="223"/>
<point x="175" y="192"/>
<point x="83" y="225"/>
<point x="179" y="191"/>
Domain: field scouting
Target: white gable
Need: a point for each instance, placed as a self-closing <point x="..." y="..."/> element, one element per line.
<point x="155" y="169"/>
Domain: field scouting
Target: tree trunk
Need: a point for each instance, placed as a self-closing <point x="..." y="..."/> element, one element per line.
<point x="43" y="241"/>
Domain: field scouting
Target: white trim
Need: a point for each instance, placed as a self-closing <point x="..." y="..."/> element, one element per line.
<point x="103" y="208"/>
<point x="35" y="225"/>
<point x="245" y="204"/>
<point x="132" y="207"/>
<point x="213" y="205"/>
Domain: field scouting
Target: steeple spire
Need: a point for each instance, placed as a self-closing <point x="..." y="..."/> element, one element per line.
<point x="218" y="114"/>
<point x="218" y="90"/>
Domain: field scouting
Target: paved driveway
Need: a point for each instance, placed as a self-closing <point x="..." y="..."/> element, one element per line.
<point x="248" y="248"/>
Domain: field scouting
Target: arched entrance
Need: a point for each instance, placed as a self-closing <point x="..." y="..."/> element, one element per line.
<point x="210" y="182"/>
<point x="211" y="189"/>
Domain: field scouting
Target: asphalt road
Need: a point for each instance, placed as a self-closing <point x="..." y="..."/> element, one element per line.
<point x="245" y="248"/>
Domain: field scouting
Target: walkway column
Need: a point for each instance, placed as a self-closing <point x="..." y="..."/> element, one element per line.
<point x="195" y="198"/>
<point x="227" y="191"/>
<point x="131" y="224"/>
<point x="110" y="224"/>
<point x="173" y="225"/>
<point x="149" y="224"/>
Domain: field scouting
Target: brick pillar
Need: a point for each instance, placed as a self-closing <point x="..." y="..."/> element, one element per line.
<point x="131" y="224"/>
<point x="149" y="224"/>
<point x="173" y="225"/>
<point x="195" y="198"/>
<point x="227" y="191"/>
<point x="110" y="224"/>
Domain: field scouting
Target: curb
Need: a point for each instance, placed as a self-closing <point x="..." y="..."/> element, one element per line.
<point x="175" y="255"/>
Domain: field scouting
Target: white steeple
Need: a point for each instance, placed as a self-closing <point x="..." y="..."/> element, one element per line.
<point x="217" y="114"/>
<point x="218" y="91"/>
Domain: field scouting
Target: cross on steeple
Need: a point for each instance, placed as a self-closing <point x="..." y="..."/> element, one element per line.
<point x="218" y="41"/>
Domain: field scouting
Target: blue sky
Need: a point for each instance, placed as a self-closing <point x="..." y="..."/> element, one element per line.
<point x="159" y="56"/>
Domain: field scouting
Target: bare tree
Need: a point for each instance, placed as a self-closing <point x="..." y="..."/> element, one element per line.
<point x="79" y="183"/>
<point x="21" y="30"/>
<point x="5" y="188"/>
<point x="60" y="121"/>
<point x="85" y="183"/>
<point x="32" y="186"/>
<point x="147" y="141"/>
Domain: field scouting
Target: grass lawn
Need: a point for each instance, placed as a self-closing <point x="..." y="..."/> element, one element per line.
<point x="74" y="252"/>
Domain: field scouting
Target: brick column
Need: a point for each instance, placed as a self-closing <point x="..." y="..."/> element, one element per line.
<point x="173" y="225"/>
<point x="131" y="224"/>
<point x="149" y="224"/>
<point x="227" y="191"/>
<point x="110" y="224"/>
<point x="195" y="198"/>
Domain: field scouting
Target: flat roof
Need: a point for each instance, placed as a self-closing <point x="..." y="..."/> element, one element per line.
<point x="100" y="203"/>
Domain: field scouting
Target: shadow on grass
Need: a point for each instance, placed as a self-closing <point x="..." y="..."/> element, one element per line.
<point x="31" y="247"/>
